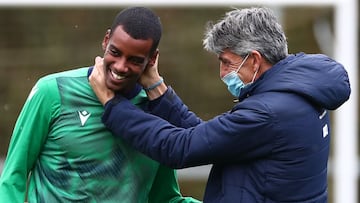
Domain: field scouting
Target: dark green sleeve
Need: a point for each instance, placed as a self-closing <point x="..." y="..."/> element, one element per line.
<point x="166" y="188"/>
<point x="28" y="136"/>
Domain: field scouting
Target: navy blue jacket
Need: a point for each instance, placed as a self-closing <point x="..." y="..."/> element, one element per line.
<point x="273" y="146"/>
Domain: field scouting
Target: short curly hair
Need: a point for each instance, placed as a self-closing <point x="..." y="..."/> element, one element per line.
<point x="139" y="23"/>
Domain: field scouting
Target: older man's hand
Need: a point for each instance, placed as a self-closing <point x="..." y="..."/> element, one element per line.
<point x="97" y="82"/>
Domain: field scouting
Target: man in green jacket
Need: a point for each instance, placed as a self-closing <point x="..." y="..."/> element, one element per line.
<point x="61" y="152"/>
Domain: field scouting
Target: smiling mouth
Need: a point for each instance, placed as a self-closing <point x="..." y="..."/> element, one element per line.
<point x="116" y="76"/>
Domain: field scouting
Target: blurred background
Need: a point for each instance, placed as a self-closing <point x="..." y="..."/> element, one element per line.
<point x="36" y="41"/>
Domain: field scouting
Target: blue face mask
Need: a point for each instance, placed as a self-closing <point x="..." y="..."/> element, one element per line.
<point x="233" y="81"/>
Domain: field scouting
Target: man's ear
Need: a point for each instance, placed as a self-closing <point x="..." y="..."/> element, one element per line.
<point x="257" y="60"/>
<point x="153" y="58"/>
<point x="106" y="39"/>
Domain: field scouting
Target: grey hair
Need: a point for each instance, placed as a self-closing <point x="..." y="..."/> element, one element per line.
<point x="244" y="30"/>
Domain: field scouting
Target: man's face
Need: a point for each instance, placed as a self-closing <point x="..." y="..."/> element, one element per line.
<point x="125" y="59"/>
<point x="230" y="61"/>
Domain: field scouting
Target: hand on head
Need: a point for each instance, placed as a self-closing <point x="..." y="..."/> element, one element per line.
<point x="150" y="79"/>
<point x="97" y="82"/>
<point x="150" y="75"/>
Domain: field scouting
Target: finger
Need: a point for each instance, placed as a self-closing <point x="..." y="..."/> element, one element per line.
<point x="156" y="59"/>
<point x="99" y="63"/>
<point x="95" y="71"/>
<point x="153" y="59"/>
<point x="98" y="60"/>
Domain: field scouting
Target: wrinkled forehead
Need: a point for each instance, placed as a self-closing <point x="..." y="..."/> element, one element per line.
<point x="229" y="55"/>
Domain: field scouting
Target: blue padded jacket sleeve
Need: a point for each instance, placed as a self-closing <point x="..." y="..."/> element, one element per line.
<point x="171" y="108"/>
<point x="223" y="139"/>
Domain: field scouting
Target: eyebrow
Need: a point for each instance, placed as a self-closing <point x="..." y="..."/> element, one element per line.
<point x="224" y="60"/>
<point x="136" y="59"/>
<point x="114" y="47"/>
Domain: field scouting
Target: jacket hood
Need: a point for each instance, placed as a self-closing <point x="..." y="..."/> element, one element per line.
<point x="315" y="77"/>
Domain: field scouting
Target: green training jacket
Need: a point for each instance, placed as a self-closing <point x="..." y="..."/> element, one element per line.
<point x="61" y="147"/>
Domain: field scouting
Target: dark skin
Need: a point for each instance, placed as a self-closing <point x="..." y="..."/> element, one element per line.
<point x="125" y="59"/>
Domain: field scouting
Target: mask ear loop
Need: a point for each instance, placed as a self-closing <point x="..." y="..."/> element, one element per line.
<point x="242" y="63"/>
<point x="255" y="75"/>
